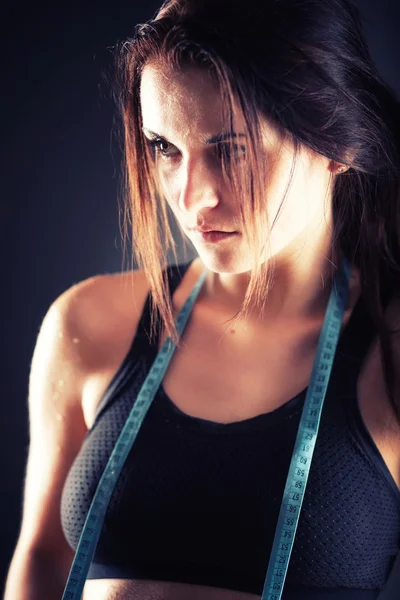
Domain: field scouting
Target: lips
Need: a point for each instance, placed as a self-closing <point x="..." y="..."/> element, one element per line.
<point x="216" y="236"/>
<point x="209" y="230"/>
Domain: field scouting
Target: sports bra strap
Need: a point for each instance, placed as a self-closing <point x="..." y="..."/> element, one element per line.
<point x="175" y="274"/>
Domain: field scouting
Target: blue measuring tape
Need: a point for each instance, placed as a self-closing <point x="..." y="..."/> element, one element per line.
<point x="300" y="463"/>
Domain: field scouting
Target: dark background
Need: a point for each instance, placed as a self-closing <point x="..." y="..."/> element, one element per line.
<point x="60" y="166"/>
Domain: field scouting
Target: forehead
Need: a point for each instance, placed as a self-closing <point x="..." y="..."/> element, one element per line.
<point x="184" y="83"/>
<point x="181" y="101"/>
<point x="185" y="104"/>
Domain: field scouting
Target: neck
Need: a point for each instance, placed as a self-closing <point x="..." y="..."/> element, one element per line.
<point x="301" y="287"/>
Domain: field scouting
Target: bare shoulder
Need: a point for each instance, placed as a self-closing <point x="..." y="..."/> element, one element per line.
<point x="393" y="320"/>
<point x="108" y="305"/>
<point x="374" y="402"/>
<point x="105" y="310"/>
<point x="109" y="309"/>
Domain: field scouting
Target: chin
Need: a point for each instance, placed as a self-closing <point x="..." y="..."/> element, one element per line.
<point x="233" y="263"/>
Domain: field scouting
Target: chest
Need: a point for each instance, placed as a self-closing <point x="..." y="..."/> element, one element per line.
<point x="231" y="375"/>
<point x="227" y="374"/>
<point x="228" y="377"/>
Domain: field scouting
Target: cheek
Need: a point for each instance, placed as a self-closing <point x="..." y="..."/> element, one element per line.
<point x="171" y="195"/>
<point x="292" y="213"/>
<point x="166" y="181"/>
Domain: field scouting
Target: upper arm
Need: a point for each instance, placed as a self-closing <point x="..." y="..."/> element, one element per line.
<point x="373" y="398"/>
<point x="392" y="317"/>
<point x="59" y="366"/>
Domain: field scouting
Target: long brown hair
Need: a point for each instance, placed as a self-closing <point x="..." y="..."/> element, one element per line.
<point x="305" y="65"/>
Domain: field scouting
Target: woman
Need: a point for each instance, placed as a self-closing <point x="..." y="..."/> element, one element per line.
<point x="266" y="130"/>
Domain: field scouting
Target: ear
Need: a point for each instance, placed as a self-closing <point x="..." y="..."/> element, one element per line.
<point x="348" y="160"/>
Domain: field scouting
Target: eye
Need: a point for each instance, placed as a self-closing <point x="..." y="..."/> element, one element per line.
<point x="160" y="146"/>
<point x="156" y="148"/>
<point x="224" y="151"/>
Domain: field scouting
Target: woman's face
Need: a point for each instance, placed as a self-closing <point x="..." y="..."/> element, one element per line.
<point x="184" y="109"/>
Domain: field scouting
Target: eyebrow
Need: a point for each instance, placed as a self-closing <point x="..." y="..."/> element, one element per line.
<point x="215" y="139"/>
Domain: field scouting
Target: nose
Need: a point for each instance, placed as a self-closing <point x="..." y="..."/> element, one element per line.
<point x="199" y="187"/>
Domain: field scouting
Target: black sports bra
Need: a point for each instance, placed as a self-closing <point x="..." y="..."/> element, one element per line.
<point x="208" y="509"/>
